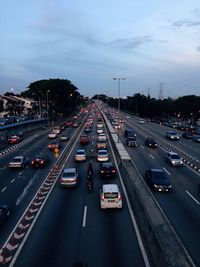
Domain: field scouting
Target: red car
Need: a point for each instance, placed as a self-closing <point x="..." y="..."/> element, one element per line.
<point x="15" y="139"/>
<point x="84" y="140"/>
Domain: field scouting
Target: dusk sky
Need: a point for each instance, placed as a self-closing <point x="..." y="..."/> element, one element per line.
<point x="147" y="42"/>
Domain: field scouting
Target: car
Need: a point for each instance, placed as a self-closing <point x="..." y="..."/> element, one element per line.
<point x="102" y="137"/>
<point x="196" y="139"/>
<point x="101" y="145"/>
<point x="150" y="142"/>
<point x="18" y="162"/>
<point x="40" y="161"/>
<point x="99" y="125"/>
<point x="55" y="144"/>
<point x="141" y="121"/>
<point x="110" y="196"/>
<point x="84" y="140"/>
<point x="75" y="124"/>
<point x="107" y="169"/>
<point x="131" y="142"/>
<point x="64" y="137"/>
<point x="80" y="155"/>
<point x="102" y="155"/>
<point x="158" y="180"/>
<point x="69" y="177"/>
<point x="87" y="129"/>
<point x="129" y="133"/>
<point x="187" y="135"/>
<point x="14" y="139"/>
<point x="173" y="159"/>
<point x="99" y="131"/>
<point x="121" y="121"/>
<point x="172" y="135"/>
<point x="52" y="135"/>
<point x="4" y="213"/>
<point x="56" y="129"/>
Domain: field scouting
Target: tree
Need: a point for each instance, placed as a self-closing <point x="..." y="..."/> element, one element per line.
<point x="58" y="95"/>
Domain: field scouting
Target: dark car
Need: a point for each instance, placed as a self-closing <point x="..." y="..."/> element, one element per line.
<point x="150" y="142"/>
<point x="4" y="213"/>
<point x="187" y="135"/>
<point x="158" y="180"/>
<point x="107" y="169"/>
<point x="40" y="161"/>
<point x="54" y="144"/>
<point x="131" y="142"/>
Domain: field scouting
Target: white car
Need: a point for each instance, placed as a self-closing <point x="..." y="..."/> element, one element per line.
<point x="102" y="137"/>
<point x="172" y="136"/>
<point x="99" y="131"/>
<point x="52" y="135"/>
<point x="141" y="121"/>
<point x="80" y="155"/>
<point x="110" y="196"/>
<point x="102" y="155"/>
<point x="18" y="162"/>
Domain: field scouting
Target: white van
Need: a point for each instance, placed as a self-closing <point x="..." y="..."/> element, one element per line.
<point x="110" y="196"/>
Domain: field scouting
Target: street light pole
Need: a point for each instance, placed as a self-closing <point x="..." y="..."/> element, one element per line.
<point x="118" y="89"/>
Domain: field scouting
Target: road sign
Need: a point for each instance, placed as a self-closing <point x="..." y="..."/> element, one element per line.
<point x="56" y="155"/>
<point x="56" y="150"/>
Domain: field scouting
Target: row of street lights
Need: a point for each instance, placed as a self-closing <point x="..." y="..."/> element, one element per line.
<point x="119" y="79"/>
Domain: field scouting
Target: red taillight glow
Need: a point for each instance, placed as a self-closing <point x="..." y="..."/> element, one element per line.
<point x="102" y="197"/>
<point x="113" y="171"/>
<point x="119" y="196"/>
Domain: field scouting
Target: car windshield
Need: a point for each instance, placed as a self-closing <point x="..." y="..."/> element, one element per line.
<point x="80" y="153"/>
<point x="68" y="174"/>
<point x="111" y="195"/>
<point x="16" y="160"/>
<point x="175" y="157"/>
<point x="102" y="153"/>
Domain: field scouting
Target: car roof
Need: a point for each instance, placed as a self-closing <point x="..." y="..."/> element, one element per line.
<point x="157" y="170"/>
<point x="69" y="170"/>
<point x="18" y="157"/>
<point x="107" y="188"/>
<point x="80" y="150"/>
<point x="172" y="153"/>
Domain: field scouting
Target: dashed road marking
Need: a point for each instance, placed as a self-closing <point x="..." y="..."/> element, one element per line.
<point x="192" y="197"/>
<point x="3" y="189"/>
<point x="152" y="156"/>
<point x="166" y="171"/>
<point x="12" y="181"/>
<point x="84" y="216"/>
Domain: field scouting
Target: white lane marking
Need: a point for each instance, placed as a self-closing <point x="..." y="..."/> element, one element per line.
<point x="20" y="198"/>
<point x="193" y="197"/>
<point x="142" y="146"/>
<point x="3" y="189"/>
<point x="152" y="156"/>
<point x="20" y="174"/>
<point x="12" y="181"/>
<point x="166" y="171"/>
<point x="84" y="216"/>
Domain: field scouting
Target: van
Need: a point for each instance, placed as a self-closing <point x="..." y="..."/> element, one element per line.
<point x="110" y="196"/>
<point x="129" y="133"/>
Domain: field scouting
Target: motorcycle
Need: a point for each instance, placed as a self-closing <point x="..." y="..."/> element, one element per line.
<point x="89" y="185"/>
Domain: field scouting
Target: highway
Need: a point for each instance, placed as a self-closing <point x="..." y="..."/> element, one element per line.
<point x="182" y="206"/>
<point x="71" y="227"/>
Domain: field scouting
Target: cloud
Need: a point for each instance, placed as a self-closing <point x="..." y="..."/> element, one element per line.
<point x="131" y="43"/>
<point x="186" y="23"/>
<point x="198" y="48"/>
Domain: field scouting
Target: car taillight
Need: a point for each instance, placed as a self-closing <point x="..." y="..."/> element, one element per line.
<point x="102" y="197"/>
<point x="113" y="171"/>
<point x="42" y="161"/>
<point x="32" y="161"/>
<point x="102" y="171"/>
<point x="119" y="197"/>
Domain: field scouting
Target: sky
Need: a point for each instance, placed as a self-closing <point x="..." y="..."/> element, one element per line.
<point x="153" y="44"/>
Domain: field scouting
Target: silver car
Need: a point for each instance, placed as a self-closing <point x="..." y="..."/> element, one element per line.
<point x="174" y="159"/>
<point x="18" y="162"/>
<point x="80" y="155"/>
<point x="70" y="177"/>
